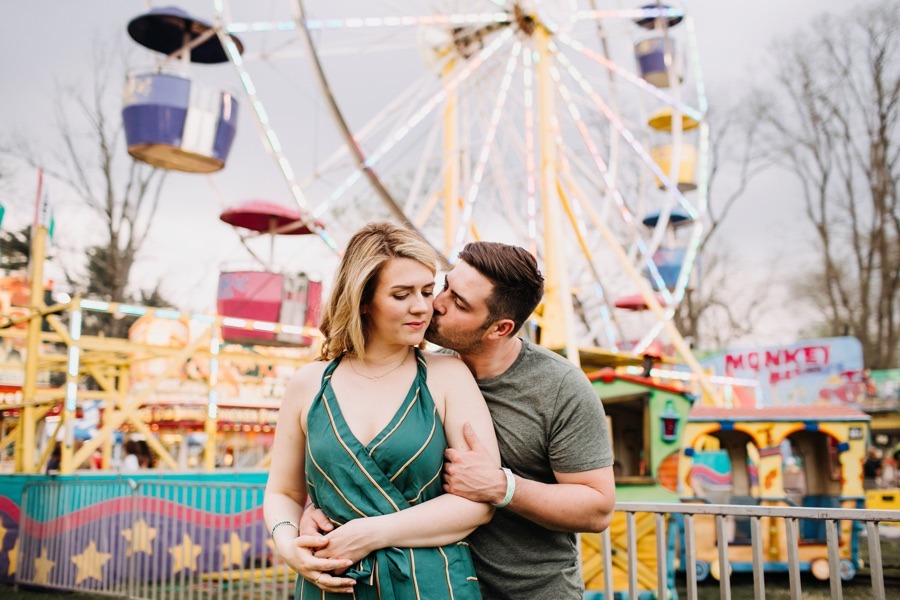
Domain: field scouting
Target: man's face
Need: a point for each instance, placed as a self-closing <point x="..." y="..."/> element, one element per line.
<point x="460" y="318"/>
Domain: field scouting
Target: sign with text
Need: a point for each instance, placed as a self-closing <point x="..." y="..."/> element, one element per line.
<point x="826" y="370"/>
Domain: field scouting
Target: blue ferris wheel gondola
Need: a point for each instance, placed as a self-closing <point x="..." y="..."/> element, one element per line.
<point x="168" y="28"/>
<point x="650" y="22"/>
<point x="174" y="123"/>
<point x="669" y="262"/>
<point x="677" y="218"/>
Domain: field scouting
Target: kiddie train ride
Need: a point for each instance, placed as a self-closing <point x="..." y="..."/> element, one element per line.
<point x="808" y="456"/>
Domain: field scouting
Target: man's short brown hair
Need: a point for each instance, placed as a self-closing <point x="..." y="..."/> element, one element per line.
<point x="518" y="283"/>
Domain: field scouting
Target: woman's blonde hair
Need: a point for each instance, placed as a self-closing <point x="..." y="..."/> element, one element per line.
<point x="369" y="250"/>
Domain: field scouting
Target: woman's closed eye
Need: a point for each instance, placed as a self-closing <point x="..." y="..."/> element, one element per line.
<point x="425" y="294"/>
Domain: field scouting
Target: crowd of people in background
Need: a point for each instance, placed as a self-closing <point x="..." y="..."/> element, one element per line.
<point x="136" y="455"/>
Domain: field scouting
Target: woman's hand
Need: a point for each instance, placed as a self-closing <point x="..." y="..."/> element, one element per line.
<point x="297" y="552"/>
<point x="353" y="540"/>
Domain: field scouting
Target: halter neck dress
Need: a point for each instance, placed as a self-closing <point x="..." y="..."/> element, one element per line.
<point x="399" y="468"/>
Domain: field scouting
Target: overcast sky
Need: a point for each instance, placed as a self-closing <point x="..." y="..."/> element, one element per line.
<point x="46" y="43"/>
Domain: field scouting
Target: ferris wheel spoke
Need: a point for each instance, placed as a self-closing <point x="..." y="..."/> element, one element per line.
<point x="639" y="150"/>
<point x="405" y="99"/>
<point x="573" y="211"/>
<point x="603" y="228"/>
<point x="530" y="178"/>
<point x="628" y="217"/>
<point x="270" y="139"/>
<point x="419" y="175"/>
<point x="654" y="332"/>
<point x="399" y="134"/>
<point x="485" y="151"/>
<point x="646" y="254"/>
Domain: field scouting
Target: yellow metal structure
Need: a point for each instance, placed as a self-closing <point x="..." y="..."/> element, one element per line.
<point x="107" y="362"/>
<point x="558" y="319"/>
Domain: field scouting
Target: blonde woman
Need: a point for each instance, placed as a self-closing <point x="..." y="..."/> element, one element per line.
<point x="362" y="433"/>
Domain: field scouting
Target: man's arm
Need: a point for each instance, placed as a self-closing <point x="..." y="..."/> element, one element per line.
<point x="577" y="502"/>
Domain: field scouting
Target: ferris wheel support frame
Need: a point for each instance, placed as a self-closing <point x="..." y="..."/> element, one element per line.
<point x="558" y="318"/>
<point x="451" y="159"/>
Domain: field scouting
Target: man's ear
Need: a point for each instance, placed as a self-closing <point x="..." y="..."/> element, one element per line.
<point x="502" y="328"/>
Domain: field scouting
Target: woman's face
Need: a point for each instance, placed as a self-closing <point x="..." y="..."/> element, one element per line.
<point x="400" y="310"/>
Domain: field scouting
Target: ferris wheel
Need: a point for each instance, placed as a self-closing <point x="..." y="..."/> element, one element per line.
<point x="573" y="128"/>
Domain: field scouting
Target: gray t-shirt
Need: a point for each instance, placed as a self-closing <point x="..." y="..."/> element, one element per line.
<point x="548" y="418"/>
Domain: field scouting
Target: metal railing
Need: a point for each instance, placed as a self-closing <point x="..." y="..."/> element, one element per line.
<point x="687" y="515"/>
<point x="158" y="540"/>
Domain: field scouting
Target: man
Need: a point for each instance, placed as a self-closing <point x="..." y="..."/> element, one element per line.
<point x="550" y="428"/>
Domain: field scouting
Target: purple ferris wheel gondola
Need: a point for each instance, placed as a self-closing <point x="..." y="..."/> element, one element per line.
<point x="172" y="122"/>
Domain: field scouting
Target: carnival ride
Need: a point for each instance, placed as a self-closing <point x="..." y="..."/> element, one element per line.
<point x="778" y="456"/>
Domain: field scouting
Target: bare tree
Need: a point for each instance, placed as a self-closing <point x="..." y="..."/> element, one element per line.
<point x="122" y="193"/>
<point x="832" y="120"/>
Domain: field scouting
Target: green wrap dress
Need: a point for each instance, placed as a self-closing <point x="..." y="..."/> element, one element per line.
<point x="399" y="468"/>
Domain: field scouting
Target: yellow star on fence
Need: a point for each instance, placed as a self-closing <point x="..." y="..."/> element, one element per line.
<point x="233" y="551"/>
<point x="184" y="555"/>
<point x="3" y="531"/>
<point x="42" y="567"/>
<point x="90" y="563"/>
<point x="13" y="558"/>
<point x="140" y="538"/>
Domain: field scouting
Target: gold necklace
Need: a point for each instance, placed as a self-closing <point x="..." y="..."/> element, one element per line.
<point x="374" y="377"/>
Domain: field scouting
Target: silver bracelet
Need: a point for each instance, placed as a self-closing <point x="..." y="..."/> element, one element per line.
<point x="510" y="488"/>
<point x="279" y="524"/>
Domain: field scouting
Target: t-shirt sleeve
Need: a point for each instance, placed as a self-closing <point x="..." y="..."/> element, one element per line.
<point x="579" y="437"/>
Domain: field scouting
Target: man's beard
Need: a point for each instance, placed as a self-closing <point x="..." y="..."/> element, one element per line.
<point x="463" y="342"/>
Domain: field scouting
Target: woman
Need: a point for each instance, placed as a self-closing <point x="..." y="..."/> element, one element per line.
<point x="364" y="430"/>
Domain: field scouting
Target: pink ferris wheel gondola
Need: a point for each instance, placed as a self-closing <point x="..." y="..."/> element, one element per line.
<point x="286" y="298"/>
<point x="264" y="216"/>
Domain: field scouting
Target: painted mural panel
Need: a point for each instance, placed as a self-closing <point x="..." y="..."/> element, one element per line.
<point x="825" y="370"/>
